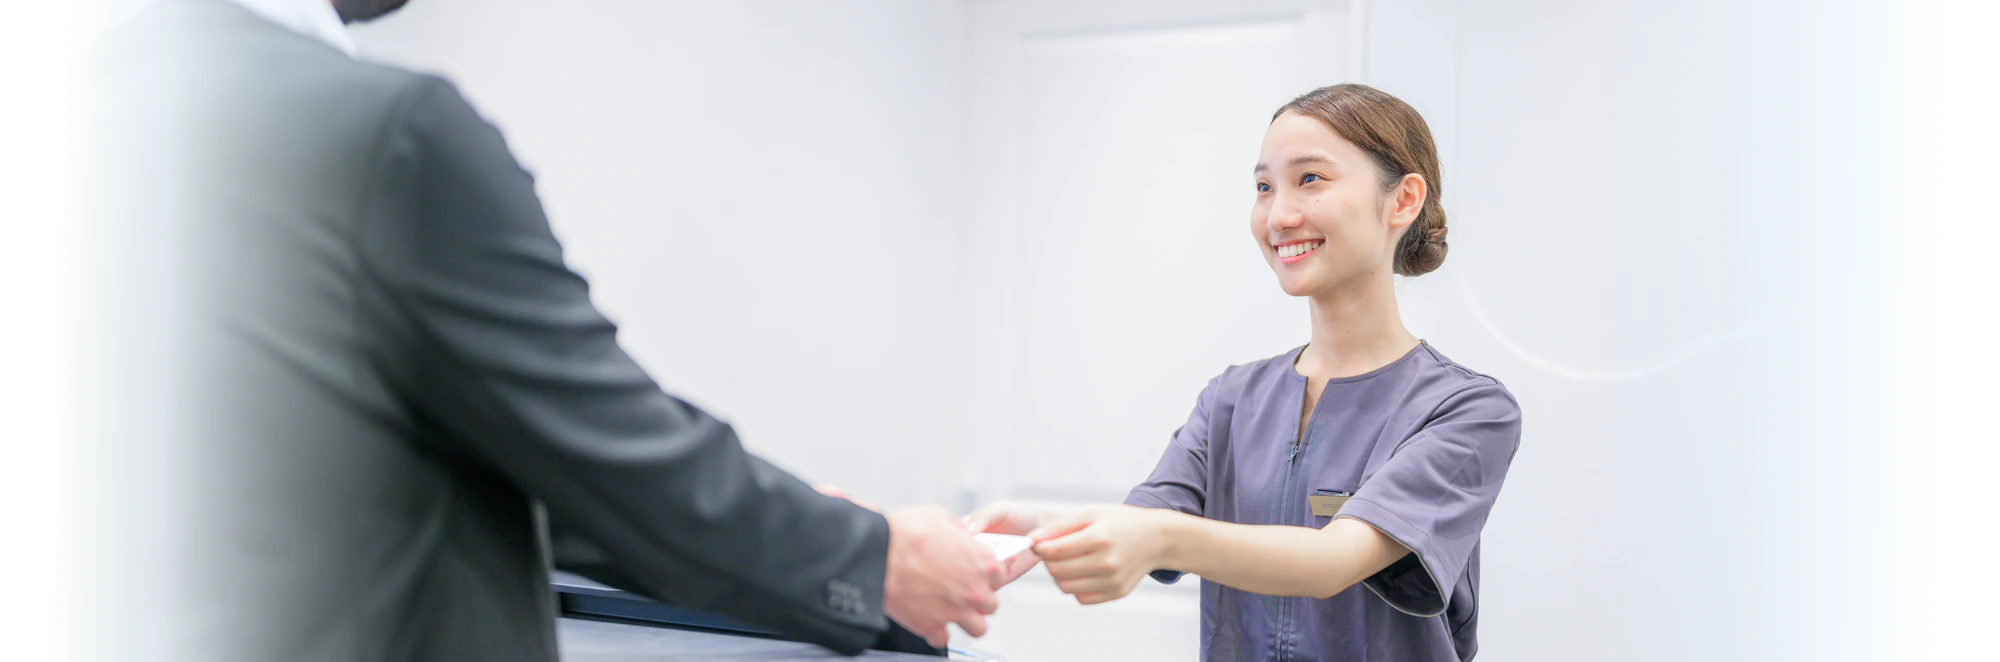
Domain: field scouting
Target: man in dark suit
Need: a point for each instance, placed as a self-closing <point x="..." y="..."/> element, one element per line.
<point x="390" y="406"/>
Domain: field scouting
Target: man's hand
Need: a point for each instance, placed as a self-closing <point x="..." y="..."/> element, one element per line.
<point x="1099" y="554"/>
<point x="1014" y="519"/>
<point x="938" y="575"/>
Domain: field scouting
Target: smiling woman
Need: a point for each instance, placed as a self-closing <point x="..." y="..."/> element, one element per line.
<point x="1395" y="136"/>
<point x="1365" y="458"/>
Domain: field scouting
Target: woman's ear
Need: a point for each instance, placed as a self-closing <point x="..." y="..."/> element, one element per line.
<point x="1406" y="201"/>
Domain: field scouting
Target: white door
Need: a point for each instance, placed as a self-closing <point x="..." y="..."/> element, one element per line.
<point x="1110" y="267"/>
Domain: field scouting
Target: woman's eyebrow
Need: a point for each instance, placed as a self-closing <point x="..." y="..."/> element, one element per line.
<point x="1296" y="162"/>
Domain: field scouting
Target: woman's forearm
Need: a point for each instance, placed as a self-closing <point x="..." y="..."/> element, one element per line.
<point x="1278" y="560"/>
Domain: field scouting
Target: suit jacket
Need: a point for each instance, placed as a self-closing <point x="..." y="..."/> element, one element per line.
<point x="394" y="401"/>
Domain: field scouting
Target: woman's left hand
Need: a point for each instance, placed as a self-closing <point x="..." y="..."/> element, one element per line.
<point x="1100" y="553"/>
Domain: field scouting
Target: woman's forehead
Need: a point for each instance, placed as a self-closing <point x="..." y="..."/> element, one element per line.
<point x="1293" y="138"/>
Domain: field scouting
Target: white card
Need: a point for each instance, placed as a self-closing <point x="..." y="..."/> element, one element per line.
<point x="1005" y="546"/>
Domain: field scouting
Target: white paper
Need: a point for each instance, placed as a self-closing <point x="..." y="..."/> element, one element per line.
<point x="1005" y="546"/>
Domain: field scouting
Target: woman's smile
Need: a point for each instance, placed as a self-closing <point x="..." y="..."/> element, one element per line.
<point x="1294" y="251"/>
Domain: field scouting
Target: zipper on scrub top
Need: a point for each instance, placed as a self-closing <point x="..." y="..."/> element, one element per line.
<point x="1287" y="504"/>
<point x="1283" y="633"/>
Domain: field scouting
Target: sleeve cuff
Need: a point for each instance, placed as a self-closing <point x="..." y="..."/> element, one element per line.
<point x="1144" y="499"/>
<point x="1410" y="584"/>
<point x="1147" y="500"/>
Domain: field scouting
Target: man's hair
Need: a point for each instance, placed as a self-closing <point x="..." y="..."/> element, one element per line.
<point x="356" y="11"/>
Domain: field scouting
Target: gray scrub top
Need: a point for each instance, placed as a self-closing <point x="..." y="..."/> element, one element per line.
<point x="1421" y="444"/>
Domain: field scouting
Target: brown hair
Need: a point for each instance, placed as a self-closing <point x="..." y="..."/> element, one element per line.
<point x="1395" y="135"/>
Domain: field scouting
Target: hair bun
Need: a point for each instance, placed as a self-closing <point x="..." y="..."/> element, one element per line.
<point x="1425" y="249"/>
<point x="1399" y="142"/>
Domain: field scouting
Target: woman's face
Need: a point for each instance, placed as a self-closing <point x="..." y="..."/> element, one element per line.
<point x="1322" y="218"/>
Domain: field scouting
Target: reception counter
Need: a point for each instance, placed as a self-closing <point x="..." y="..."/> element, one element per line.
<point x="602" y="641"/>
<point x="602" y="624"/>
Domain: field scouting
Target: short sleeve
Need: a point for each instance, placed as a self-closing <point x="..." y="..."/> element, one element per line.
<point x="1180" y="481"/>
<point x="1434" y="493"/>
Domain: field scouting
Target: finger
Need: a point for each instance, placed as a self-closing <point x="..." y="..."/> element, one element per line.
<point x="977" y="520"/>
<point x="1063" y="526"/>
<point x="1020" y="565"/>
<point x="936" y="635"/>
<point x="1088" y="582"/>
<point x="1091" y="585"/>
<point x="1009" y="520"/>
<point x="1080" y="586"/>
<point x="1059" y="570"/>
<point x="1073" y="569"/>
<point x="974" y="625"/>
<point x="985" y="603"/>
<point x="1002" y="525"/>
<point x="1065" y="548"/>
<point x="1095" y="598"/>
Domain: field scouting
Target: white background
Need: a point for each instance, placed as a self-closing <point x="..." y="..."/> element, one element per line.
<point x="1735" y="260"/>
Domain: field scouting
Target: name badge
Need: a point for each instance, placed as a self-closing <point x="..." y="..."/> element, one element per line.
<point x="1327" y="503"/>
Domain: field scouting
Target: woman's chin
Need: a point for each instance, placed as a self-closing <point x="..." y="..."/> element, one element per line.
<point x="1296" y="287"/>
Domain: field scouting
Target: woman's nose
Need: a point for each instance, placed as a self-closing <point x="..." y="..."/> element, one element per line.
<point x="1284" y="217"/>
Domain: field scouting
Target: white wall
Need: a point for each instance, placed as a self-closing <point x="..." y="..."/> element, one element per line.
<point x="1668" y="239"/>
<point x="1676" y="231"/>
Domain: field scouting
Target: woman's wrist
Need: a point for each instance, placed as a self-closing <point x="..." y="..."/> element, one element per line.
<point x="1173" y="531"/>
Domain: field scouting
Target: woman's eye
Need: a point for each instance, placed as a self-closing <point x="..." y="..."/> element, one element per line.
<point x="1309" y="178"/>
<point x="1263" y="187"/>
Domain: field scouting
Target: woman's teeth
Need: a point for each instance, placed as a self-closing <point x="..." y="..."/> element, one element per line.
<point x="1295" y="250"/>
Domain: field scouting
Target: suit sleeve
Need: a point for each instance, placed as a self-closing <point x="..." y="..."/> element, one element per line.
<point x="495" y="342"/>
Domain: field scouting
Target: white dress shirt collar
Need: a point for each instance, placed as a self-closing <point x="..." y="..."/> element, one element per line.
<point x="312" y="18"/>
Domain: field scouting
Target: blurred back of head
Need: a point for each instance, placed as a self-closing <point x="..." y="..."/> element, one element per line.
<point x="356" y="11"/>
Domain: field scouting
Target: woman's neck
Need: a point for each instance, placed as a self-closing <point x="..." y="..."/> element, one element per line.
<point x="1354" y="331"/>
